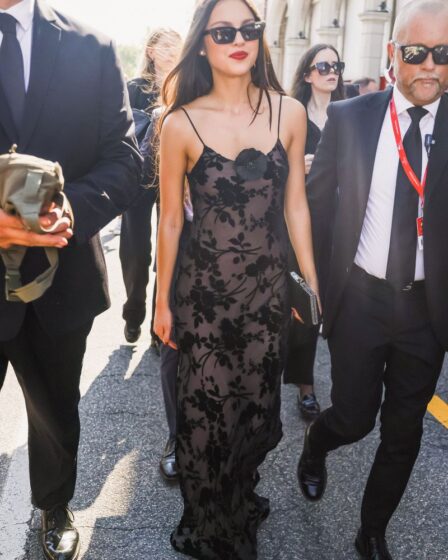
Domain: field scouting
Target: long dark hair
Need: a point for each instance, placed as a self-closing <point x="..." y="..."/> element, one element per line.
<point x="192" y="77"/>
<point x="301" y="89"/>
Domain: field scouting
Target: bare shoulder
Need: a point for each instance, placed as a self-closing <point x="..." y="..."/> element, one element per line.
<point x="293" y="110"/>
<point x="293" y="122"/>
<point x="176" y="128"/>
<point x="174" y="123"/>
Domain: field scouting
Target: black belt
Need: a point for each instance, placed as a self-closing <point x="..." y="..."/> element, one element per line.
<point x="360" y="276"/>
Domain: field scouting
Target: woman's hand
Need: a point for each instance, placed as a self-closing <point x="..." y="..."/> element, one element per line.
<point x="163" y="325"/>
<point x="296" y="315"/>
<point x="308" y="162"/>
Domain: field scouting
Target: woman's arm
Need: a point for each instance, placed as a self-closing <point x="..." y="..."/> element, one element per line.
<point x="296" y="206"/>
<point x="173" y="164"/>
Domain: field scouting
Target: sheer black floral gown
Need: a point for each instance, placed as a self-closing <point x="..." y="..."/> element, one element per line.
<point x="230" y="325"/>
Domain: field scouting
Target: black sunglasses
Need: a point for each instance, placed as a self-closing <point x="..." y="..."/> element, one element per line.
<point x="226" y="35"/>
<point x="324" y="68"/>
<point x="416" y="54"/>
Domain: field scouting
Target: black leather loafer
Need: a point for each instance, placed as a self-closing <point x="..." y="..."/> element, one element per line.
<point x="308" y="407"/>
<point x="371" y="548"/>
<point x="168" y="464"/>
<point x="311" y="472"/>
<point x="60" y="539"/>
<point x="132" y="334"/>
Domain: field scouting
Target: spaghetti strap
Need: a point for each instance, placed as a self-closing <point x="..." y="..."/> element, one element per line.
<point x="194" y="128"/>
<point x="279" y="116"/>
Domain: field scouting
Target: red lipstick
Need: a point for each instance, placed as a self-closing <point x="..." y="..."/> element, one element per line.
<point x="239" y="55"/>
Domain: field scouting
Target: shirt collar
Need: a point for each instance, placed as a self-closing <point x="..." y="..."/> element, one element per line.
<point x="404" y="104"/>
<point x="23" y="12"/>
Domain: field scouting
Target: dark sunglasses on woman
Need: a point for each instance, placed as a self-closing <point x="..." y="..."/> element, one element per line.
<point x="324" y="68"/>
<point x="226" y="35"/>
<point x="417" y="54"/>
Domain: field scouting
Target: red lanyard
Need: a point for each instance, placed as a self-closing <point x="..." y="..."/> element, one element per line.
<point x="415" y="181"/>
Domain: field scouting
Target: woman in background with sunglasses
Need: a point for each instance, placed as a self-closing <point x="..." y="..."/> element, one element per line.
<point x="317" y="82"/>
<point x="239" y="141"/>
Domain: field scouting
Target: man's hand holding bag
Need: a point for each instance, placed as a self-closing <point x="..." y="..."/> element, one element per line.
<point x="33" y="212"/>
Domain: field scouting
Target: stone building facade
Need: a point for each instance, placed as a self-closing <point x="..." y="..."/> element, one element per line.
<point x="359" y="29"/>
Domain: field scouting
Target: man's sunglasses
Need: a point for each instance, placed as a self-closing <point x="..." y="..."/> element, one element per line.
<point x="226" y="35"/>
<point x="324" y="68"/>
<point x="417" y="54"/>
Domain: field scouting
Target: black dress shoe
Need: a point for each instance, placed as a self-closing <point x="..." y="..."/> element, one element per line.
<point x="372" y="548"/>
<point x="311" y="472"/>
<point x="168" y="464"/>
<point x="60" y="539"/>
<point x="308" y="406"/>
<point x="132" y="334"/>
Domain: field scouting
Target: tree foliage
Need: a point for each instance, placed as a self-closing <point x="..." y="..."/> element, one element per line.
<point x="129" y="58"/>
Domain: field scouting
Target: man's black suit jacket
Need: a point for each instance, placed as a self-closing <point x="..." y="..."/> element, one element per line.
<point x="77" y="113"/>
<point x="338" y="190"/>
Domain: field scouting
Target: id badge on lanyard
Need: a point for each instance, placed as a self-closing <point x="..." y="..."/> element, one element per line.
<point x="418" y="185"/>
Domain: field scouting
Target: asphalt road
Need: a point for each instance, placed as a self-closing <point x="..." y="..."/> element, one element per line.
<point x="125" y="511"/>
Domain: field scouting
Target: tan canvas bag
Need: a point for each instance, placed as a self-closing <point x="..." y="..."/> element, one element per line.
<point x="27" y="184"/>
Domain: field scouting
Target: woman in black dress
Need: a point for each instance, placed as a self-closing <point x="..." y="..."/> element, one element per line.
<point x="240" y="143"/>
<point x="159" y="56"/>
<point x="317" y="82"/>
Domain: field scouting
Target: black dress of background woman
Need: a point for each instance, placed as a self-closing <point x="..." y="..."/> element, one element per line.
<point x="302" y="340"/>
<point x="317" y="82"/>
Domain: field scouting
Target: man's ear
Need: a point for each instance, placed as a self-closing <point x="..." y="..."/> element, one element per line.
<point x="391" y="51"/>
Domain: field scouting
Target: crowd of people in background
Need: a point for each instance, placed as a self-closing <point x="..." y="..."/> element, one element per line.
<point x="248" y="183"/>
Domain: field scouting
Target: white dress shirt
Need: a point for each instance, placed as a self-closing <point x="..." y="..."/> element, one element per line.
<point x="373" y="248"/>
<point x="24" y="13"/>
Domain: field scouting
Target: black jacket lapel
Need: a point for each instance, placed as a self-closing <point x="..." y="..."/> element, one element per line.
<point x="438" y="158"/>
<point x="46" y="41"/>
<point x="371" y="124"/>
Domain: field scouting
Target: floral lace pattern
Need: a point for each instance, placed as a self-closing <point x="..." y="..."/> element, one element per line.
<point x="230" y="325"/>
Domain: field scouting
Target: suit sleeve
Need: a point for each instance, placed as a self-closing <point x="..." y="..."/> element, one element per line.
<point x="109" y="188"/>
<point x="322" y="186"/>
<point x="133" y="94"/>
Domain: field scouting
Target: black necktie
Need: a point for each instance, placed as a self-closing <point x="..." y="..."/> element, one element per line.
<point x="403" y="240"/>
<point x="12" y="75"/>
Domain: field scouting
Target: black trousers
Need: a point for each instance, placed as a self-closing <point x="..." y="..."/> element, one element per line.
<point x="300" y="354"/>
<point x="381" y="341"/>
<point x="301" y="344"/>
<point x="135" y="255"/>
<point x="48" y="370"/>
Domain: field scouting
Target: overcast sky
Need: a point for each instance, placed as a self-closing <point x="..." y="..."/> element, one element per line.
<point x="127" y="21"/>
